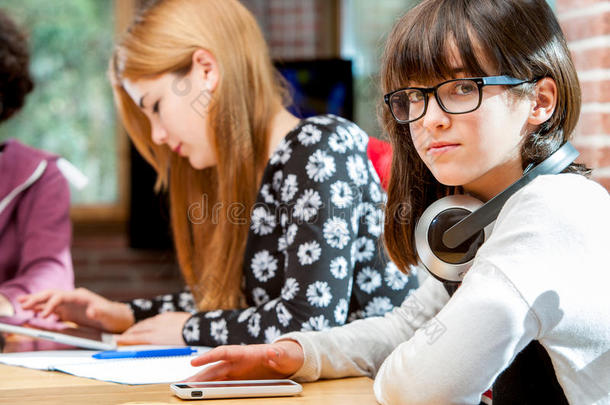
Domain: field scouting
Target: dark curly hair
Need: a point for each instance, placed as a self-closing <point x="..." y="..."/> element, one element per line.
<point x="15" y="80"/>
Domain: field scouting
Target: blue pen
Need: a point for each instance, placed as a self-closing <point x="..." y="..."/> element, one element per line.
<point x="123" y="354"/>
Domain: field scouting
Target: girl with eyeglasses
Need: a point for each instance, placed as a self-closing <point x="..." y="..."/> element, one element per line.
<point x="478" y="91"/>
<point x="275" y="219"/>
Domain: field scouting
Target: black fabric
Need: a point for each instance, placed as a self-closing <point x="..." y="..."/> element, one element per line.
<point x="530" y="379"/>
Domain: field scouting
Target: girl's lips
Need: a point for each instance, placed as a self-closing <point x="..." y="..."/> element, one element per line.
<point x="439" y="149"/>
<point x="177" y="148"/>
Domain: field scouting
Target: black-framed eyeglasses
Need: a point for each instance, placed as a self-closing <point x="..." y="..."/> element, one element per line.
<point x="456" y="96"/>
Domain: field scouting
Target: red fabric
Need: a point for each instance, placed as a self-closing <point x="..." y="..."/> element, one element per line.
<point x="380" y="154"/>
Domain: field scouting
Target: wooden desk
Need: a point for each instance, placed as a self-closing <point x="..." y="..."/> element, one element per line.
<point x="21" y="385"/>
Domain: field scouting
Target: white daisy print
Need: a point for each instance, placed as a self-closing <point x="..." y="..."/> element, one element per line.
<point x="375" y="193"/>
<point x="341" y="194"/>
<point x="318" y="294"/>
<point x="338" y="267"/>
<point x="373" y="172"/>
<point x="368" y="280"/>
<point x="378" y="306"/>
<point x="394" y="278"/>
<point x="283" y="219"/>
<point x="259" y="296"/>
<point x="290" y="289"/>
<point x="341" y="141"/>
<point x="336" y="232"/>
<point x="263" y="265"/>
<point x="186" y="302"/>
<point x="356" y="169"/>
<point x="289" y="188"/>
<point x="271" y="304"/>
<point x="213" y="314"/>
<point x="282" y="153"/>
<point x="320" y="120"/>
<point x="219" y="332"/>
<point x="307" y="205"/>
<point x="254" y="327"/>
<point x="309" y="252"/>
<point x="143" y="303"/>
<point x="167" y="307"/>
<point x="341" y="311"/>
<point x="320" y="166"/>
<point x="315" y="323"/>
<point x="361" y="139"/>
<point x="283" y="316"/>
<point x="266" y="194"/>
<point x="190" y="331"/>
<point x="363" y="249"/>
<point x="272" y="333"/>
<point x="374" y="221"/>
<point x="276" y="181"/>
<point x="263" y="221"/>
<point x="288" y="238"/>
<point x="245" y="314"/>
<point x="309" y="135"/>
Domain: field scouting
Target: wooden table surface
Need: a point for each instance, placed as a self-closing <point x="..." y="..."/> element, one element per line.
<point x="20" y="385"/>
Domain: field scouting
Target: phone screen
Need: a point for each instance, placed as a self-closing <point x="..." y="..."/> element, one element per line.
<point x="225" y="384"/>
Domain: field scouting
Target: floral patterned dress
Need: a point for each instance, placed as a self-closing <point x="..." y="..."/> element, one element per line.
<point x="312" y="259"/>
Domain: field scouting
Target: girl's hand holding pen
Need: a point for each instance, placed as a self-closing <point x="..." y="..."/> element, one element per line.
<point x="80" y="306"/>
<point x="277" y="360"/>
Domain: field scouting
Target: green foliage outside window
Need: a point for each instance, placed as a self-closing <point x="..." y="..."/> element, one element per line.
<point x="70" y="112"/>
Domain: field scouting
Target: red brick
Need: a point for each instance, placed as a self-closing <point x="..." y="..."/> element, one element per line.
<point x="594" y="91"/>
<point x="593" y="124"/>
<point x="604" y="181"/>
<point x="596" y="58"/>
<point x="567" y="5"/>
<point x="589" y="26"/>
<point x="594" y="157"/>
<point x="604" y="156"/>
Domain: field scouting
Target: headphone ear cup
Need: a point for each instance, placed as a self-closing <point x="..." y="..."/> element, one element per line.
<point x="444" y="263"/>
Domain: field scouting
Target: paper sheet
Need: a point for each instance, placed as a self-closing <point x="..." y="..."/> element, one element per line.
<point x="124" y="371"/>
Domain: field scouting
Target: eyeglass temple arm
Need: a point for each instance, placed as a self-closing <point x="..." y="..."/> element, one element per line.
<point x="502" y="80"/>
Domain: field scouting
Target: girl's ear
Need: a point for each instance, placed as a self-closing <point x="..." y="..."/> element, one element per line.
<point x="206" y="65"/>
<point x="544" y="101"/>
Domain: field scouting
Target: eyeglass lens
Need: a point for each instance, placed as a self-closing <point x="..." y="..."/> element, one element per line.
<point x="457" y="96"/>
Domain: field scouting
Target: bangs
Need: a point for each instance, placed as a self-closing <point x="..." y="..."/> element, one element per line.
<point x="434" y="45"/>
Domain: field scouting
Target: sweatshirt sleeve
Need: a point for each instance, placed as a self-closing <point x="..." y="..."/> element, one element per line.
<point x="359" y="348"/>
<point x="459" y="353"/>
<point x="44" y="229"/>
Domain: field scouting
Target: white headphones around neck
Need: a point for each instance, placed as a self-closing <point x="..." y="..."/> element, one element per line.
<point x="452" y="229"/>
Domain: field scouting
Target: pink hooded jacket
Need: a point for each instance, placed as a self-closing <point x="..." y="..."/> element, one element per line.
<point x="35" y="229"/>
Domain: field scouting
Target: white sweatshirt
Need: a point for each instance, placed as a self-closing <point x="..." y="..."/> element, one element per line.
<point x="543" y="274"/>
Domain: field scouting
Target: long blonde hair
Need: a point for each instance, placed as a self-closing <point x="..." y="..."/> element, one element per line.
<point x="161" y="40"/>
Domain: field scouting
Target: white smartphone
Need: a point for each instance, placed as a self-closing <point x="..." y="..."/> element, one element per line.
<point x="236" y="389"/>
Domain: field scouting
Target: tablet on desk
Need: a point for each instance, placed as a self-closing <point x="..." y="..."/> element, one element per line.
<point x="79" y="337"/>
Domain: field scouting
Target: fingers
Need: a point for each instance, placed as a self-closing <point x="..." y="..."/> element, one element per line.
<point x="51" y="305"/>
<point x="213" y="372"/>
<point x="31" y="300"/>
<point x="222" y="353"/>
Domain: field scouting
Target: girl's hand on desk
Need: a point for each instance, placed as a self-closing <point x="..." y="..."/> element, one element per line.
<point x="162" y="329"/>
<point x="276" y="360"/>
<point x="82" y="307"/>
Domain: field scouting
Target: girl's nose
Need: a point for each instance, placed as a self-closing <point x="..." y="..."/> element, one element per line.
<point x="435" y="117"/>
<point x="159" y="134"/>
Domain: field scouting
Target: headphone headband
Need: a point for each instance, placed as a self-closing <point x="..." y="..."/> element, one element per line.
<point x="485" y="215"/>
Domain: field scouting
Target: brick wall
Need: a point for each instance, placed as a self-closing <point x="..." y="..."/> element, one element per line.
<point x="586" y="24"/>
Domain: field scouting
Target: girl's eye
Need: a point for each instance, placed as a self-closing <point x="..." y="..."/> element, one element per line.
<point x="156" y="107"/>
<point x="415" y="96"/>
<point x="464" y="88"/>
